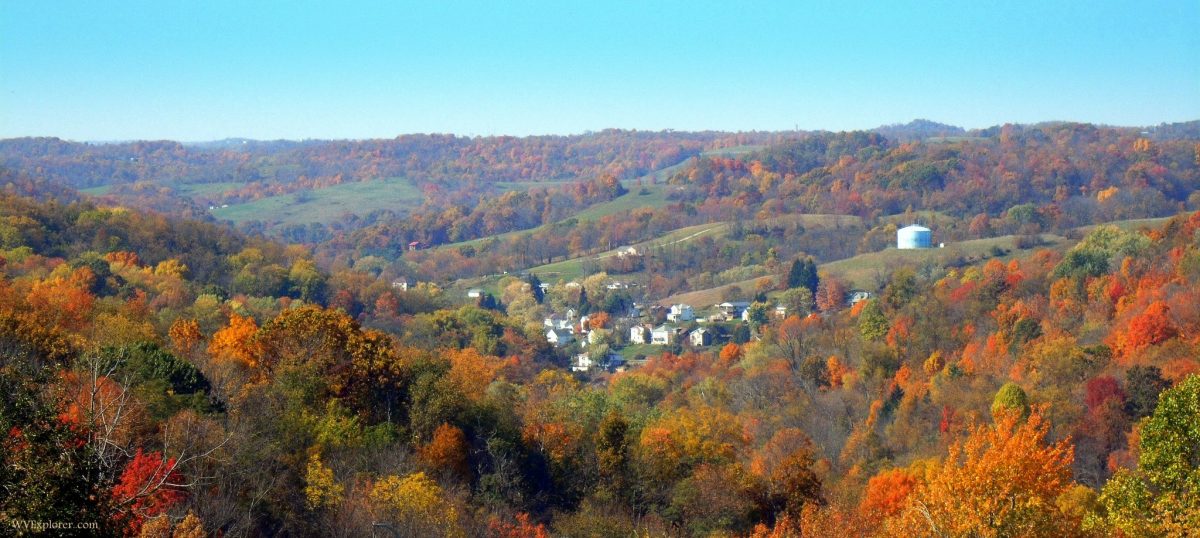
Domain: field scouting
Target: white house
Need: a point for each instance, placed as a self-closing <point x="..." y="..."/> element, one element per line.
<point x="662" y="335"/>
<point x="400" y="284"/>
<point x="857" y="296"/>
<point x="681" y="312"/>
<point x="474" y="293"/>
<point x="559" y="337"/>
<point x="733" y="309"/>
<point x="639" y="335"/>
<point x="781" y="311"/>
<point x="701" y="337"/>
<point x="582" y="363"/>
<point x="556" y="322"/>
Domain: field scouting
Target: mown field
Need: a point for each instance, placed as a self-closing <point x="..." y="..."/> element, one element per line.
<point x="865" y="270"/>
<point x="645" y="191"/>
<point x="327" y="204"/>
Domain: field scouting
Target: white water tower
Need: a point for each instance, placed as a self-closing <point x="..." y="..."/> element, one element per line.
<point x="913" y="236"/>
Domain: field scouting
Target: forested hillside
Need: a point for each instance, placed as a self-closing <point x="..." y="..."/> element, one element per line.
<point x="1020" y="180"/>
<point x="156" y="367"/>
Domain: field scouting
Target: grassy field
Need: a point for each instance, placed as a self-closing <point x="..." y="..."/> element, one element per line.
<point x="204" y="189"/>
<point x="96" y="191"/>
<point x="655" y="196"/>
<point x="1130" y="225"/>
<point x="328" y="204"/>
<point x="183" y="189"/>
<point x="864" y="270"/>
<point x="646" y="350"/>
<point x="573" y="269"/>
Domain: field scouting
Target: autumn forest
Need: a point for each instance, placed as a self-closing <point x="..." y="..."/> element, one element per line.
<point x="617" y="333"/>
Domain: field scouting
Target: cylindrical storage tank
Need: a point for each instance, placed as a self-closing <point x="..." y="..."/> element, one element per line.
<point x="913" y="237"/>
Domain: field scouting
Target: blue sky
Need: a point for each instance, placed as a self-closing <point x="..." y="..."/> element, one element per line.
<point x="212" y="69"/>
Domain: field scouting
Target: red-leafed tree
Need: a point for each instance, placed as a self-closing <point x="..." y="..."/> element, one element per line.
<point x="149" y="487"/>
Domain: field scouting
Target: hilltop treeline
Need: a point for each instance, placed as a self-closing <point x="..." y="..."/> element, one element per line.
<point x="262" y="168"/>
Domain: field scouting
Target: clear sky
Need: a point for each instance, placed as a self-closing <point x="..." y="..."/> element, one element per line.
<point x="210" y="69"/>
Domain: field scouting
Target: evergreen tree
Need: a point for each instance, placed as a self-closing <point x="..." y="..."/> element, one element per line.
<point x="803" y="273"/>
<point x="535" y="286"/>
<point x="795" y="274"/>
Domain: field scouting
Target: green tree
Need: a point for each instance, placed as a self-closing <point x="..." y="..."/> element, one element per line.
<point x="1162" y="497"/>
<point x="872" y="324"/>
<point x="803" y="273"/>
<point x="757" y="315"/>
<point x="1011" y="397"/>
<point x="612" y="455"/>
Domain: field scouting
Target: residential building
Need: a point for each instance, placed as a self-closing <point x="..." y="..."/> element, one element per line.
<point x="680" y="313"/>
<point x="662" y="335"/>
<point x="701" y="337"/>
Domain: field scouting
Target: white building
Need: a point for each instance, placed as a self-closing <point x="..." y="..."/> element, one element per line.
<point x="681" y="312"/>
<point x="627" y="251"/>
<point x="400" y="284"/>
<point x="857" y="296"/>
<point x="781" y="311"/>
<point x="733" y="309"/>
<point x="559" y="337"/>
<point x="582" y="363"/>
<point x="474" y="293"/>
<point x="662" y="335"/>
<point x="701" y="337"/>
<point x="914" y="236"/>
<point x="639" y="335"/>
<point x="556" y="322"/>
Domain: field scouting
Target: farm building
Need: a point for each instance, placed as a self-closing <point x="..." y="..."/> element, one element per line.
<point x="914" y="236"/>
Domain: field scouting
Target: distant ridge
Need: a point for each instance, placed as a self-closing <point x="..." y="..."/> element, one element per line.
<point x="918" y="129"/>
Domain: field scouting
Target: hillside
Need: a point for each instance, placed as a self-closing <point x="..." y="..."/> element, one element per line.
<point x="869" y="271"/>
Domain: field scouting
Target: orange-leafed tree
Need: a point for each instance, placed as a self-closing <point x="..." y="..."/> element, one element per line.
<point x="471" y="371"/>
<point x="1002" y="480"/>
<point x="523" y="527"/>
<point x="1152" y="326"/>
<point x="599" y="320"/>
<point x="185" y="335"/>
<point x="831" y="293"/>
<point x="235" y="342"/>
<point x="887" y="494"/>
<point x="447" y="451"/>
<point x="730" y="354"/>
